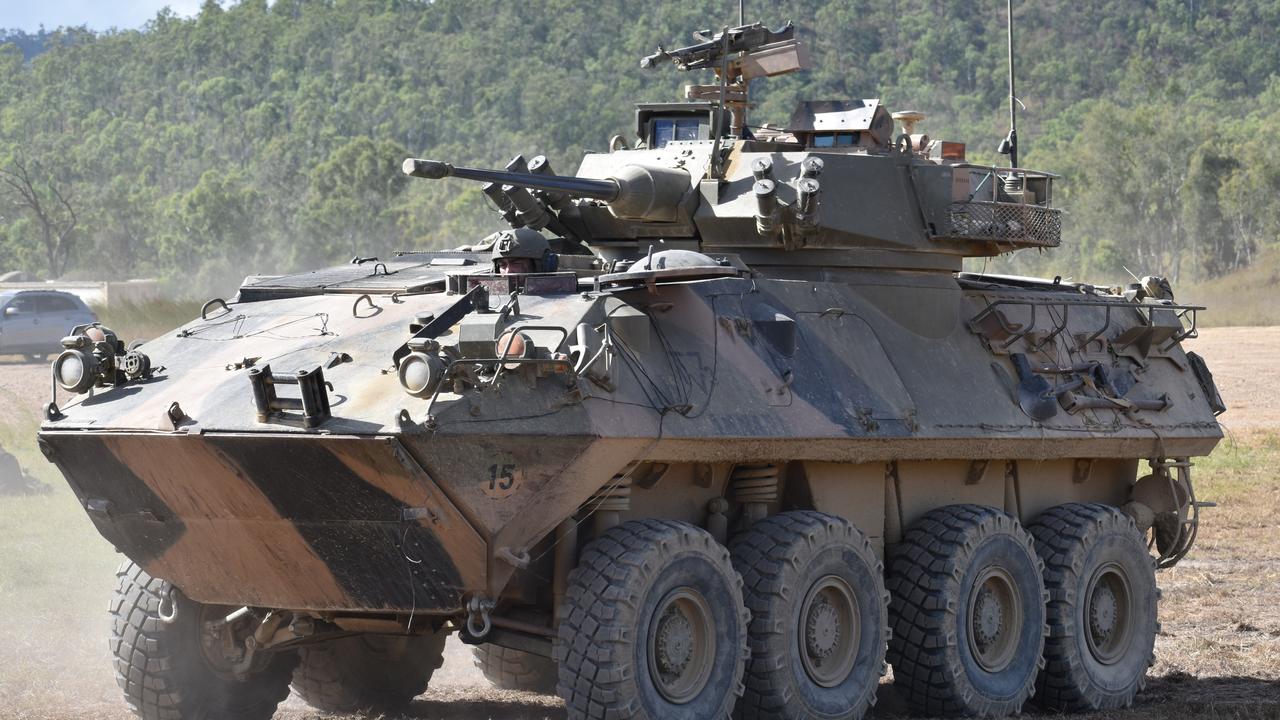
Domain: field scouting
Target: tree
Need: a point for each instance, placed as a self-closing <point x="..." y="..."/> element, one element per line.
<point x="35" y="191"/>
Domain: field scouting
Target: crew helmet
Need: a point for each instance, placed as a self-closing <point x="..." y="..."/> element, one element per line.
<point x="521" y="243"/>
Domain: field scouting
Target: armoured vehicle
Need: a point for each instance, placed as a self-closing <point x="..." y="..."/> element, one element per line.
<point x="718" y="425"/>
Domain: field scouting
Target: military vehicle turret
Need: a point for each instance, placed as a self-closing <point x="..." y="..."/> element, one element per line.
<point x="720" y="425"/>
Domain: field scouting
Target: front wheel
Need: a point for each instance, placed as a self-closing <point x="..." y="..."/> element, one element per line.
<point x="512" y="669"/>
<point x="653" y="626"/>
<point x="367" y="672"/>
<point x="170" y="668"/>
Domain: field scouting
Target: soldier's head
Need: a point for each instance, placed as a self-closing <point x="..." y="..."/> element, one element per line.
<point x="520" y="251"/>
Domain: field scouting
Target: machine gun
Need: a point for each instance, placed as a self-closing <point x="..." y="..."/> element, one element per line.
<point x="737" y="55"/>
<point x="636" y="192"/>
<point x="711" y="49"/>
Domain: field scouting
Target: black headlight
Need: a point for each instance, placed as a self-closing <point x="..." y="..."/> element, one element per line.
<point x="76" y="370"/>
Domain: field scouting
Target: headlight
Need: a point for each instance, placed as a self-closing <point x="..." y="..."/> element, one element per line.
<point x="75" y="371"/>
<point x="420" y="374"/>
<point x="514" y="344"/>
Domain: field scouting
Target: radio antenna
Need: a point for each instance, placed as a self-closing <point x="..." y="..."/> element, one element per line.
<point x="742" y="12"/>
<point x="1009" y="146"/>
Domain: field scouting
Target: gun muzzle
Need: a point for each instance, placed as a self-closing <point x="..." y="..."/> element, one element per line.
<point x="429" y="169"/>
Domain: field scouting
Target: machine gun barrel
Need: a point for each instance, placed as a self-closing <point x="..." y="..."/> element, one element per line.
<point x="606" y="190"/>
<point x="710" y="50"/>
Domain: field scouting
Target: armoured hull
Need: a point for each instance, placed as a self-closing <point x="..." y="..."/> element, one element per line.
<point x="384" y="509"/>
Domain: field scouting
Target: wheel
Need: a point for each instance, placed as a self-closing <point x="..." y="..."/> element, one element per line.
<point x="819" y="617"/>
<point x="167" y="669"/>
<point x="1102" y="608"/>
<point x="653" y="626"/>
<point x="377" y="673"/>
<point x="515" y="669"/>
<point x="967" y="608"/>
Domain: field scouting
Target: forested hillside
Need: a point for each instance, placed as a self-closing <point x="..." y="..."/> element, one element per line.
<point x="263" y="137"/>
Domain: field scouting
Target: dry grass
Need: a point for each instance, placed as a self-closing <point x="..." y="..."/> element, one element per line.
<point x="55" y="576"/>
<point x="1244" y="297"/>
<point x="1220" y="636"/>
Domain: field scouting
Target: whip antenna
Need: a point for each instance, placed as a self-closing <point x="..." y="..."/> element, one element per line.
<point x="1009" y="146"/>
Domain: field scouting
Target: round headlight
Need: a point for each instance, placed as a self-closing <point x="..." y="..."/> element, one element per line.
<point x="420" y="374"/>
<point x="72" y="371"/>
<point x="514" y="344"/>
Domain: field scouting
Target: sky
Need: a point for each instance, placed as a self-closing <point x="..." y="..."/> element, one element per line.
<point x="29" y="15"/>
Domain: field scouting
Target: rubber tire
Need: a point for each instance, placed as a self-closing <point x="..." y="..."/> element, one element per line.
<point x="930" y="576"/>
<point x="367" y="673"/>
<point x="515" y="669"/>
<point x="1073" y="540"/>
<point x="602" y="647"/>
<point x="779" y="559"/>
<point x="162" y="670"/>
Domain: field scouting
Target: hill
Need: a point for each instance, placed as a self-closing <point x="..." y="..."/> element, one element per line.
<point x="265" y="137"/>
<point x="1245" y="297"/>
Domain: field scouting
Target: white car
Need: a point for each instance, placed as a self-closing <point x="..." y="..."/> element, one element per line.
<point x="32" y="322"/>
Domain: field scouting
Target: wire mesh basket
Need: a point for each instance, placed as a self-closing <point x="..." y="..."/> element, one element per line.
<point x="1017" y="223"/>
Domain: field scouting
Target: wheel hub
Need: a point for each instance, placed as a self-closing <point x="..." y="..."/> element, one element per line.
<point x="994" y="619"/>
<point x="682" y="645"/>
<point x="675" y="642"/>
<point x="988" y="619"/>
<point x="828" y="632"/>
<point x="822" y="631"/>
<point x="1108" y="614"/>
<point x="222" y="636"/>
<point x="1102" y="613"/>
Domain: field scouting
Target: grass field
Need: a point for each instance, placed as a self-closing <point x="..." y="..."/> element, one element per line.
<point x="1244" y="297"/>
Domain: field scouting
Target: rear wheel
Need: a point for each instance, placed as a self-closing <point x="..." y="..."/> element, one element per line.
<point x="967" y="610"/>
<point x="818" y="617"/>
<point x="653" y="626"/>
<point x="1102" y="608"/>
<point x="168" y="666"/>
<point x="515" y="669"/>
<point x="367" y="672"/>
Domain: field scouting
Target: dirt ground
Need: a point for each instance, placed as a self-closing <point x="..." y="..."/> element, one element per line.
<point x="1218" y="651"/>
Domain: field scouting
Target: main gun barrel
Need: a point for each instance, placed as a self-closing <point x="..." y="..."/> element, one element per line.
<point x="635" y="192"/>
<point x="606" y="190"/>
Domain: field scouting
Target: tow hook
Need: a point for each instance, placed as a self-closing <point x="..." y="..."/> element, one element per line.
<point x="168" y="610"/>
<point x="478" y="623"/>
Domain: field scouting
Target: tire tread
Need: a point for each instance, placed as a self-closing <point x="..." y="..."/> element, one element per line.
<point x="146" y="667"/>
<point x="1062" y="535"/>
<point x="925" y="570"/>
<point x="595" y="627"/>
<point x="515" y="669"/>
<point x="759" y="555"/>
